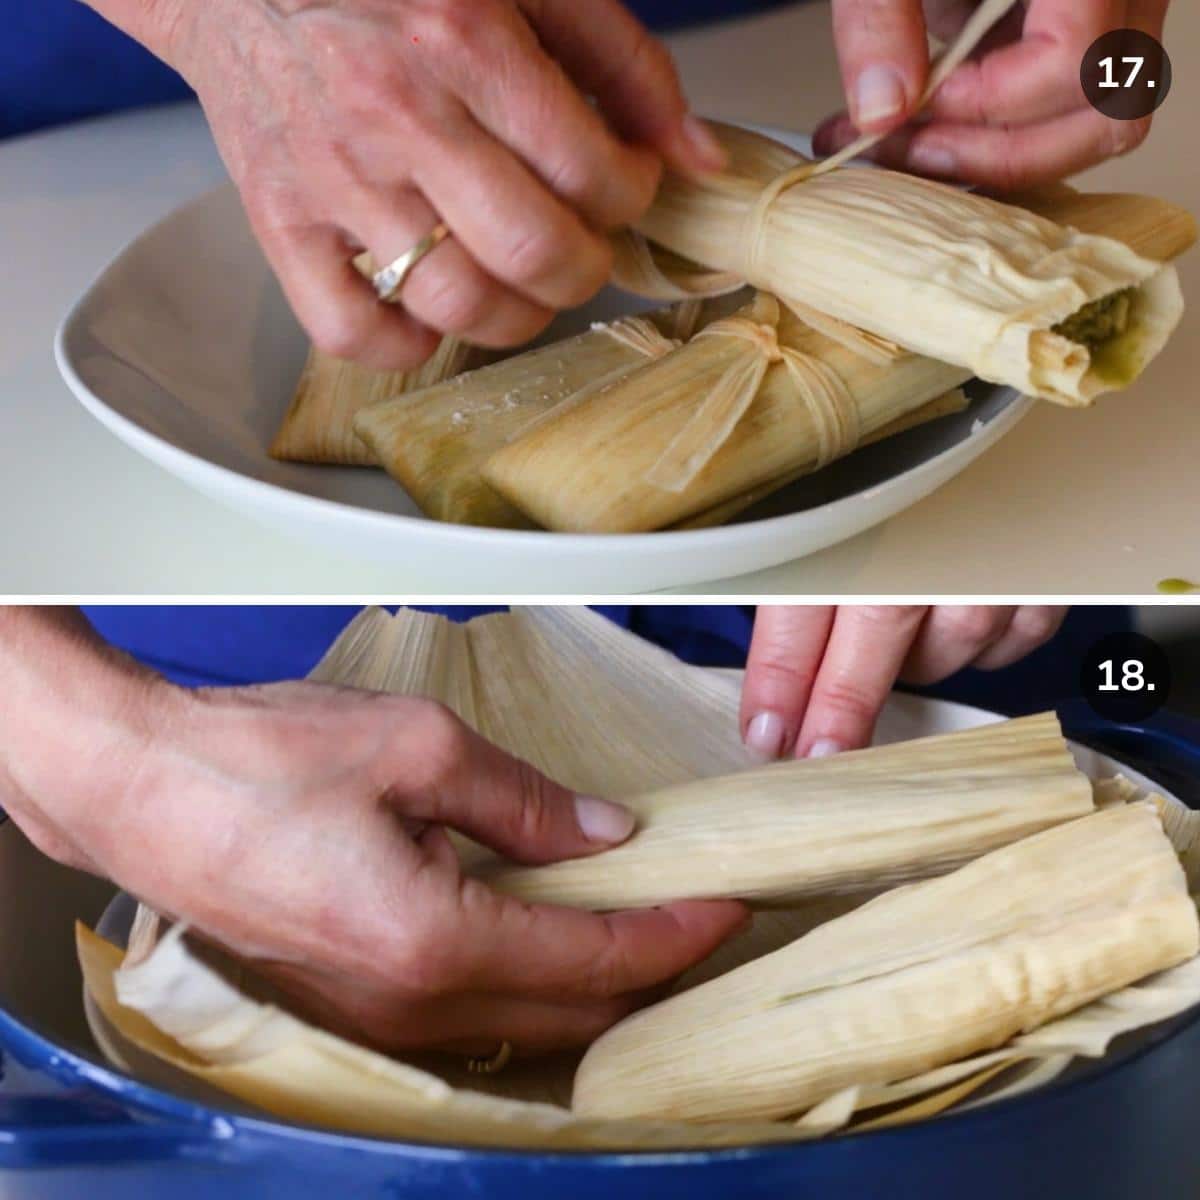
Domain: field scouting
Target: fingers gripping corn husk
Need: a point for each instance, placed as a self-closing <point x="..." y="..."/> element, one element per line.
<point x="862" y="820"/>
<point x="919" y="977"/>
<point x="319" y="424"/>
<point x="433" y="442"/>
<point x="722" y="416"/>
<point x="1009" y="296"/>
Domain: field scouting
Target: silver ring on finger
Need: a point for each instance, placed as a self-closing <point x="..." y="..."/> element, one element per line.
<point x="390" y="280"/>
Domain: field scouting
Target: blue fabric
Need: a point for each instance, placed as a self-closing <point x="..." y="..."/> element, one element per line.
<point x="59" y="61"/>
<point x="215" y="645"/>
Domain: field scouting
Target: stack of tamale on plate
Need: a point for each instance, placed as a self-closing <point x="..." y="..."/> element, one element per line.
<point x="938" y="921"/>
<point x="877" y="296"/>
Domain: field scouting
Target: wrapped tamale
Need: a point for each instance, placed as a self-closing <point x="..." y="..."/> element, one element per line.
<point x="318" y="426"/>
<point x="434" y="441"/>
<point x="748" y="401"/>
<point x="921" y="266"/>
<point x="919" y="977"/>
<point x="797" y="829"/>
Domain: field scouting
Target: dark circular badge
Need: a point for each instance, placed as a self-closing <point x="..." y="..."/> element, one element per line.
<point x="1126" y="74"/>
<point x="1125" y="677"/>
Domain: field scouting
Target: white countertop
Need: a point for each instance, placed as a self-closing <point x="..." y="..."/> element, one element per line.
<point x="1106" y="501"/>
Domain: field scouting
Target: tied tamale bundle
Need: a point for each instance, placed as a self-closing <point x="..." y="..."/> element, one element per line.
<point x="319" y="424"/>
<point x="749" y="401"/>
<point x="434" y="441"/>
<point x="867" y="819"/>
<point x="889" y="263"/>
<point x="920" y="977"/>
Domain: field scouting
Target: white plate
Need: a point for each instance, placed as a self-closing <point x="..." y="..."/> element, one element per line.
<point x="185" y="348"/>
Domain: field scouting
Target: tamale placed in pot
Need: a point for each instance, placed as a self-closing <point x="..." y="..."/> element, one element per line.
<point x="793" y="830"/>
<point x="319" y="424"/>
<point x="919" y="977"/>
<point x="434" y="441"/>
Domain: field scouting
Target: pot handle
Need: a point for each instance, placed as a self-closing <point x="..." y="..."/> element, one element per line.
<point x="1167" y="744"/>
<point x="41" y="1132"/>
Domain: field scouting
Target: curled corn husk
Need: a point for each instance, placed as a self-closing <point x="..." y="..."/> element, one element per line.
<point x="919" y="977"/>
<point x="319" y="424"/>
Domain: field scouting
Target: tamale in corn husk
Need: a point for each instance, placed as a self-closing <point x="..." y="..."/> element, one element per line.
<point x="687" y="433"/>
<point x="433" y="441"/>
<point x="319" y="424"/>
<point x="208" y="1018"/>
<point x="791" y="830"/>
<point x="920" y="266"/>
<point x="919" y="977"/>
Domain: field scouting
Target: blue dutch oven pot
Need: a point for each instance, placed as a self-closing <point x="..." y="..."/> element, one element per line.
<point x="71" y="1127"/>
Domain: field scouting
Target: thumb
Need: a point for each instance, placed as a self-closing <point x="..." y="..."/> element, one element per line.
<point x="467" y="783"/>
<point x="884" y="56"/>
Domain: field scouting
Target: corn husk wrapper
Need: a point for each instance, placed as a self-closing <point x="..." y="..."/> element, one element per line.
<point x="867" y="819"/>
<point x="721" y="514"/>
<point x="433" y="441"/>
<point x="653" y="706"/>
<point x="891" y="263"/>
<point x="319" y="424"/>
<point x="723" y="416"/>
<point x="915" y="979"/>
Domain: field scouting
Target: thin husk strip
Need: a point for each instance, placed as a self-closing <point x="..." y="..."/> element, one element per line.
<point x="938" y="271"/>
<point x="652" y="705"/>
<point x="319" y="424"/>
<point x="591" y="468"/>
<point x="921" y="976"/>
<point x="434" y="441"/>
<point x="720" y="514"/>
<point x="793" y="830"/>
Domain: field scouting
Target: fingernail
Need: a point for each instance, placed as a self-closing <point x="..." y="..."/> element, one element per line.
<point x="765" y="736"/>
<point x="878" y="95"/>
<point x="602" y="821"/>
<point x="704" y="143"/>
<point x="932" y="159"/>
<point x="825" y="748"/>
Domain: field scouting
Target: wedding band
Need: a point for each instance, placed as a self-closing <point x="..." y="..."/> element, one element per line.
<point x="388" y="282"/>
<point x="489" y="1066"/>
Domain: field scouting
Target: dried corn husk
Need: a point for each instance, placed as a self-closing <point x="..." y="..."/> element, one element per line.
<point x="434" y="441"/>
<point x="654" y="450"/>
<point x="643" y="715"/>
<point x="944" y="406"/>
<point x="319" y="424"/>
<point x="863" y="820"/>
<point x="921" y="266"/>
<point x="919" y="977"/>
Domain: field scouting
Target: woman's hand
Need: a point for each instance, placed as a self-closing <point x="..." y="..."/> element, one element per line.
<point x="357" y="123"/>
<point x="304" y="827"/>
<point x="1012" y="117"/>
<point x="817" y="677"/>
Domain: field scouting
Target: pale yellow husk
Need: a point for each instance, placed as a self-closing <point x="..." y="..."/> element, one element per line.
<point x="643" y="716"/>
<point x="791" y="830"/>
<point x="319" y="424"/>
<point x="915" y="979"/>
<point x="920" y="265"/>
